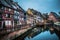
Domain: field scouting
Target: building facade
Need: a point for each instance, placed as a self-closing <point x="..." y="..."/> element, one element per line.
<point x="11" y="14"/>
<point x="53" y="17"/>
<point x="7" y="14"/>
<point x="34" y="17"/>
<point x="20" y="15"/>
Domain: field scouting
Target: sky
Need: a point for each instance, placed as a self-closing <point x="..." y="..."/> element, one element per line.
<point x="43" y="6"/>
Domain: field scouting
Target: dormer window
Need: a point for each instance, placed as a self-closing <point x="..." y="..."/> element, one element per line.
<point x="14" y="7"/>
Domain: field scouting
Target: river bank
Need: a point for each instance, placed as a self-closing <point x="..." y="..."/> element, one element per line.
<point x="15" y="34"/>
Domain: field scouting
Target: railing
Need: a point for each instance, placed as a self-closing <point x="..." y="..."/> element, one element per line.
<point x="9" y="12"/>
<point x="7" y="30"/>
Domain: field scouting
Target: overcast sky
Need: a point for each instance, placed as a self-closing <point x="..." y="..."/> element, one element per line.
<point x="43" y="6"/>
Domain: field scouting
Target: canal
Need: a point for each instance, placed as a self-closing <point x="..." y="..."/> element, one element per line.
<point x="40" y="33"/>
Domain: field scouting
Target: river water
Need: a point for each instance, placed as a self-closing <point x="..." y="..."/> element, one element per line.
<point x="42" y="34"/>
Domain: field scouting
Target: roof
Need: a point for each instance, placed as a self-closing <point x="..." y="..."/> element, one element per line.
<point x="45" y="15"/>
<point x="33" y="11"/>
<point x="11" y="4"/>
<point x="3" y="2"/>
<point x="37" y="13"/>
<point x="17" y="6"/>
<point x="55" y="14"/>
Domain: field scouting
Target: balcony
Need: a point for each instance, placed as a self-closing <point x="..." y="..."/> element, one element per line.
<point x="8" y="12"/>
<point x="5" y="18"/>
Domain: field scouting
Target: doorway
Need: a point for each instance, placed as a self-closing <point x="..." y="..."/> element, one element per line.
<point x="4" y="25"/>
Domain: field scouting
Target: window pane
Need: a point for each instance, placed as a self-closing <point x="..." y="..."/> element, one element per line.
<point x="7" y="22"/>
<point x="8" y="15"/>
<point x="9" y="9"/>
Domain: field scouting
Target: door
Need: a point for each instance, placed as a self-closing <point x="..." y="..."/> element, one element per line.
<point x="0" y="24"/>
<point x="4" y="25"/>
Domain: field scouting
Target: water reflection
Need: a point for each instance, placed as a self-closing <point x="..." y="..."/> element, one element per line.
<point x="42" y="34"/>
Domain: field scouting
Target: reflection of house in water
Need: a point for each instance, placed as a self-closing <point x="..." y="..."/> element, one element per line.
<point x="57" y="33"/>
<point x="36" y="31"/>
<point x="51" y="32"/>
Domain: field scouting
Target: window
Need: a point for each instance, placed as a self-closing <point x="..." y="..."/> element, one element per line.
<point x="51" y="16"/>
<point x="22" y="18"/>
<point x="8" y="15"/>
<point x="14" y="11"/>
<point x="0" y="15"/>
<point x="15" y="17"/>
<point x="14" y="7"/>
<point x="5" y="8"/>
<point x="7" y="22"/>
<point x="9" y="9"/>
<point x="18" y="17"/>
<point x="2" y="7"/>
<point x="17" y="12"/>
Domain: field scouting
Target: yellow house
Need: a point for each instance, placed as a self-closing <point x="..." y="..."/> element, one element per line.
<point x="29" y="12"/>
